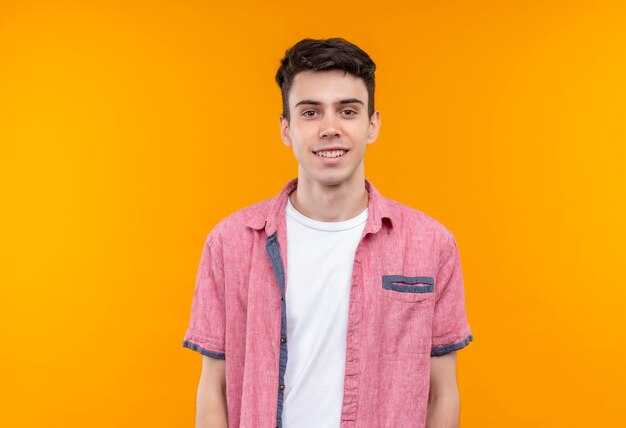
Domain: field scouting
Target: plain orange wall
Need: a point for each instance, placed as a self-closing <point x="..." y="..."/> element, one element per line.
<point x="128" y="129"/>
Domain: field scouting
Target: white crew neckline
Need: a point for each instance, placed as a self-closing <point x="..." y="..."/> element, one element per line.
<point x="325" y="226"/>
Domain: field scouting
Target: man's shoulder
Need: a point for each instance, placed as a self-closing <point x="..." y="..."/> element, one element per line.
<point x="414" y="220"/>
<point x="237" y="223"/>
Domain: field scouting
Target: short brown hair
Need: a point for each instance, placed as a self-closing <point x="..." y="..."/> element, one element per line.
<point x="325" y="55"/>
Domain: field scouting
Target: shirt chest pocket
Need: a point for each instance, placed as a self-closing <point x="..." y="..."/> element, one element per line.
<point x="408" y="288"/>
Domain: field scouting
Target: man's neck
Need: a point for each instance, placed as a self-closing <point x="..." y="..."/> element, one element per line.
<point x="330" y="203"/>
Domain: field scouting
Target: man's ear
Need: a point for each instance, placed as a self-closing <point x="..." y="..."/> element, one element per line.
<point x="374" y="128"/>
<point x="284" y="131"/>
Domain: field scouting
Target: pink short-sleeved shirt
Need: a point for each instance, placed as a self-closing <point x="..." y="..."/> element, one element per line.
<point x="406" y="304"/>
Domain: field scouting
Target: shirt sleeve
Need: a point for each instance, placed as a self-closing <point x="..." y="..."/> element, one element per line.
<point x="205" y="333"/>
<point x="451" y="330"/>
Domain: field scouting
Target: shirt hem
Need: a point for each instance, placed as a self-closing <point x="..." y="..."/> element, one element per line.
<point x="212" y="354"/>
<point x="445" y="349"/>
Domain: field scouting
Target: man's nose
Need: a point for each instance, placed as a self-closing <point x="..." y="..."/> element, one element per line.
<point x="330" y="127"/>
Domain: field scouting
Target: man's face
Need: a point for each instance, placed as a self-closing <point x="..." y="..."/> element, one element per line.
<point x="329" y="127"/>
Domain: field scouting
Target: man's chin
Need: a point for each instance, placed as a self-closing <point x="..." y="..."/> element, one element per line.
<point x="332" y="181"/>
<point x="328" y="178"/>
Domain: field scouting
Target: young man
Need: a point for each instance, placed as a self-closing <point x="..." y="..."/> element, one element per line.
<point x="328" y="305"/>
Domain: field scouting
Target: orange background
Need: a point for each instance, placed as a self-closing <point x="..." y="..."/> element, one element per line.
<point x="128" y="129"/>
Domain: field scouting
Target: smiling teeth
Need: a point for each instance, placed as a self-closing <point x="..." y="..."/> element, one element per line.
<point x="332" y="153"/>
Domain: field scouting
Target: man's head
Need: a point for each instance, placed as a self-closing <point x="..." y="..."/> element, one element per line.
<point x="329" y="116"/>
<point x="325" y="55"/>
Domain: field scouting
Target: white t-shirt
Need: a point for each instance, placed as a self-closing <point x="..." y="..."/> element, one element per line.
<point x="320" y="256"/>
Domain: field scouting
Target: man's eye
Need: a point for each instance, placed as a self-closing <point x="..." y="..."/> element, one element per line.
<point x="348" y="112"/>
<point x="309" y="113"/>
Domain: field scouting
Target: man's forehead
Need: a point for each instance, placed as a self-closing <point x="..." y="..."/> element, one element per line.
<point x="327" y="86"/>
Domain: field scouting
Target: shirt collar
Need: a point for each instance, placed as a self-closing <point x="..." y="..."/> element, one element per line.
<point x="378" y="208"/>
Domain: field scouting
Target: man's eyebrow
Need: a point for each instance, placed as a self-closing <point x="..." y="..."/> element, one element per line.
<point x="308" y="102"/>
<point x="317" y="103"/>
<point x="351" y="101"/>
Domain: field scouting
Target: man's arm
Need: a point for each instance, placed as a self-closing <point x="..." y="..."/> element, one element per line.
<point x="211" y="398"/>
<point x="444" y="402"/>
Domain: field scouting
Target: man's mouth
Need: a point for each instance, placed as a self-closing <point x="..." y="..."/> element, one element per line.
<point x="331" y="153"/>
